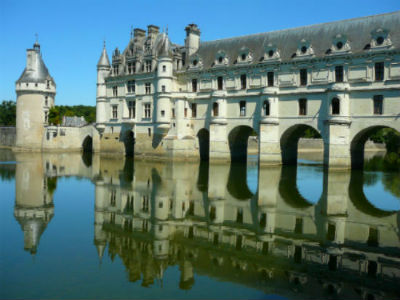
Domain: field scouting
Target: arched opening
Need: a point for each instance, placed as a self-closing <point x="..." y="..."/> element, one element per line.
<point x="335" y="106"/>
<point x="311" y="143"/>
<point x="129" y="142"/>
<point x="87" y="149"/>
<point x="376" y="136"/>
<point x="204" y="144"/>
<point x="242" y="141"/>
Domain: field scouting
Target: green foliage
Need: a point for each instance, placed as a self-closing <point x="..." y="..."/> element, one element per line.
<point x="57" y="112"/>
<point x="311" y="133"/>
<point x="7" y="113"/>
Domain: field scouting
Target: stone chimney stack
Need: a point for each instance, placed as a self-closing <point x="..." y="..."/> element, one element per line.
<point x="192" y="41"/>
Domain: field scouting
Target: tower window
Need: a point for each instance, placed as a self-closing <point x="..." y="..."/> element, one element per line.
<point x="46" y="116"/>
<point x="339" y="73"/>
<point x="115" y="91"/>
<point x="378" y="104"/>
<point x="335" y="106"/>
<point x="194" y="85"/>
<point x="115" y="111"/>
<point x="131" y="68"/>
<point x="270" y="77"/>
<point x="148" y="65"/>
<point x="220" y="80"/>
<point x="243" y="81"/>
<point x="242" y="106"/>
<point x="163" y="113"/>
<point x="163" y="88"/>
<point x="164" y="68"/>
<point x="173" y="113"/>
<point x="303" y="76"/>
<point x="132" y="109"/>
<point x="147" y="110"/>
<point x="148" y="88"/>
<point x="115" y="69"/>
<point x="194" y="110"/>
<point x="46" y="101"/>
<point x="185" y="112"/>
<point x="266" y="108"/>
<point x="215" y="109"/>
<point x="302" y="107"/>
<point x="379" y="71"/>
<point x="131" y="86"/>
<point x="48" y="84"/>
<point x="149" y="131"/>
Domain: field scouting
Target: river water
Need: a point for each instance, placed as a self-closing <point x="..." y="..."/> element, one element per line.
<point x="83" y="227"/>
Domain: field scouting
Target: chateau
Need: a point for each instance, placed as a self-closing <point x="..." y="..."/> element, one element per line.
<point x="203" y="100"/>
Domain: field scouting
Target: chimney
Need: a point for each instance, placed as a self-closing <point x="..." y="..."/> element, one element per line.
<point x="192" y="41"/>
<point x="152" y="30"/>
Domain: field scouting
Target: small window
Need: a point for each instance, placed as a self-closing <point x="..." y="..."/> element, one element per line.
<point x="331" y="233"/>
<point x="164" y="68"/>
<point x="131" y="86"/>
<point x="149" y="131"/>
<point x="46" y="116"/>
<point x="220" y="59"/>
<point x="339" y="45"/>
<point x="194" y="110"/>
<point x="339" y="73"/>
<point x="335" y="106"/>
<point x="271" y="53"/>
<point x="378" y="104"/>
<point x="46" y="101"/>
<point x="163" y="88"/>
<point x="239" y="215"/>
<point x="242" y="106"/>
<point x="163" y="113"/>
<point x="215" y="109"/>
<point x="303" y="76"/>
<point x="303" y="49"/>
<point x="379" y="71"/>
<point x="380" y="40"/>
<point x="194" y="85"/>
<point x="173" y="113"/>
<point x="185" y="112"/>
<point x="266" y="108"/>
<point x="302" y="107"/>
<point x="115" y="111"/>
<point x="243" y="56"/>
<point x="148" y="87"/>
<point x="220" y="80"/>
<point x="270" y="77"/>
<point x="115" y="91"/>
<point x="132" y="109"/>
<point x="243" y="81"/>
<point x="195" y="62"/>
<point x="147" y="109"/>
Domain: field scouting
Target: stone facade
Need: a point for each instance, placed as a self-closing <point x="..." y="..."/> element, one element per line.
<point x="340" y="78"/>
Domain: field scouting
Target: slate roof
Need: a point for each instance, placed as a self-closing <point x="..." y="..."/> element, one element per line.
<point x="73" y="121"/>
<point x="39" y="73"/>
<point x="321" y="36"/>
<point x="104" y="61"/>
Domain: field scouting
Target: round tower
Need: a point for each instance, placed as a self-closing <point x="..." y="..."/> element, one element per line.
<point x="103" y="70"/>
<point x="36" y="91"/>
<point x="164" y="82"/>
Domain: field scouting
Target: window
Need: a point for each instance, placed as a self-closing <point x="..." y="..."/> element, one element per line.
<point x="173" y="113"/>
<point x="380" y="40"/>
<point x="46" y="116"/>
<point x="378" y="104"/>
<point x="183" y="58"/>
<point x="194" y="110"/>
<point x="148" y="65"/>
<point x="379" y="71"/>
<point x="148" y="88"/>
<point x="164" y="68"/>
<point x="270" y="77"/>
<point x="115" y="91"/>
<point x="185" y="112"/>
<point x="303" y="77"/>
<point x="131" y="86"/>
<point x="115" y="69"/>
<point x="303" y="49"/>
<point x="147" y="110"/>
<point x="115" y="111"/>
<point x="239" y="215"/>
<point x="215" y="109"/>
<point x="339" y="73"/>
<point x="163" y="88"/>
<point x="243" y="56"/>
<point x="149" y="131"/>
<point x="335" y="106"/>
<point x="131" y="68"/>
<point x="132" y="109"/>
<point x="48" y="84"/>
<point x="46" y="101"/>
<point x="302" y="107"/>
<point x="220" y="83"/>
<point x="242" y="106"/>
<point x="220" y="59"/>
<point x="266" y="108"/>
<point x="194" y="85"/>
<point x="243" y="81"/>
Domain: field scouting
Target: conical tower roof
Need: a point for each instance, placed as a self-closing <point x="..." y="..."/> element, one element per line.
<point x="104" y="61"/>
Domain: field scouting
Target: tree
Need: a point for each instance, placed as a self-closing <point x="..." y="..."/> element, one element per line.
<point x="7" y="113"/>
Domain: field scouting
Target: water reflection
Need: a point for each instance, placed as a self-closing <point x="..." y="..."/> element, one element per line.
<point x="205" y="219"/>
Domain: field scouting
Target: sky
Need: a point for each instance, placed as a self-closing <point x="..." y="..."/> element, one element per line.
<point x="71" y="33"/>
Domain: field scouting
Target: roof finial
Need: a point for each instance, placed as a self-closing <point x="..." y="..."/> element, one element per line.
<point x="131" y="32"/>
<point x="166" y="31"/>
<point x="104" y="42"/>
<point x="36" y="37"/>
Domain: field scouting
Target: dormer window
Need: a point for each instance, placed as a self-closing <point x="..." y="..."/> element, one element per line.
<point x="195" y="62"/>
<point x="380" y="39"/>
<point x="243" y="56"/>
<point x="220" y="59"/>
<point x="304" y="49"/>
<point x="339" y="45"/>
<point x="270" y="53"/>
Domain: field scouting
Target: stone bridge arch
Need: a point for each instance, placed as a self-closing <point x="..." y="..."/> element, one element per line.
<point x="238" y="139"/>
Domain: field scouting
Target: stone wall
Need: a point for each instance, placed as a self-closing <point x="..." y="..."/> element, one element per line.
<point x="7" y="137"/>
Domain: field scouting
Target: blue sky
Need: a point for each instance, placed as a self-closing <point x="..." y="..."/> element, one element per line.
<point x="71" y="32"/>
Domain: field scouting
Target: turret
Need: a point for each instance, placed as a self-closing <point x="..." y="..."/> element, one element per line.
<point x="103" y="70"/>
<point x="36" y="91"/>
<point x="192" y="41"/>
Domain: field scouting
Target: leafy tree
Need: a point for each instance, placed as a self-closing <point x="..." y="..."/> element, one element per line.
<point x="7" y="113"/>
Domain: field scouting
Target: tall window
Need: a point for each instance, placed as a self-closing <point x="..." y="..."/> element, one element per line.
<point x="148" y="65"/>
<point x="148" y="88"/>
<point x="131" y="68"/>
<point x="131" y="86"/>
<point x="379" y="71"/>
<point x="378" y="104"/>
<point x="243" y="81"/>
<point x="164" y="68"/>
<point x="242" y="106"/>
<point x="215" y="109"/>
<point x="132" y="109"/>
<point x="147" y="110"/>
<point x="185" y="112"/>
<point x="46" y="116"/>
<point x="335" y="105"/>
<point x="173" y="113"/>
<point x="194" y="110"/>
<point x="339" y="73"/>
<point x="303" y="76"/>
<point x="115" y="69"/>
<point x="220" y="82"/>
<point x="115" y="111"/>
<point x="270" y="77"/>
<point x="303" y="107"/>
<point x="46" y="101"/>
<point x="115" y="91"/>
<point x="266" y="108"/>
<point x="194" y="85"/>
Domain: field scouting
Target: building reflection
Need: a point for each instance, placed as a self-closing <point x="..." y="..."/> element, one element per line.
<point x="205" y="220"/>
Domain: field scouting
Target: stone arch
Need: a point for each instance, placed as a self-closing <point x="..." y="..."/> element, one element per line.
<point x="204" y="144"/>
<point x="87" y="144"/>
<point x="289" y="142"/>
<point x="129" y="143"/>
<point x="237" y="181"/>
<point x="238" y="140"/>
<point x="358" y="142"/>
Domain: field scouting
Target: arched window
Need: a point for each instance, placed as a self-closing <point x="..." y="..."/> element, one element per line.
<point x="335" y="106"/>
<point x="266" y="107"/>
<point x="215" y="109"/>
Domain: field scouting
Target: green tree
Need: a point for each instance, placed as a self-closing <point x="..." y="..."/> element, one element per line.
<point x="7" y="113"/>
